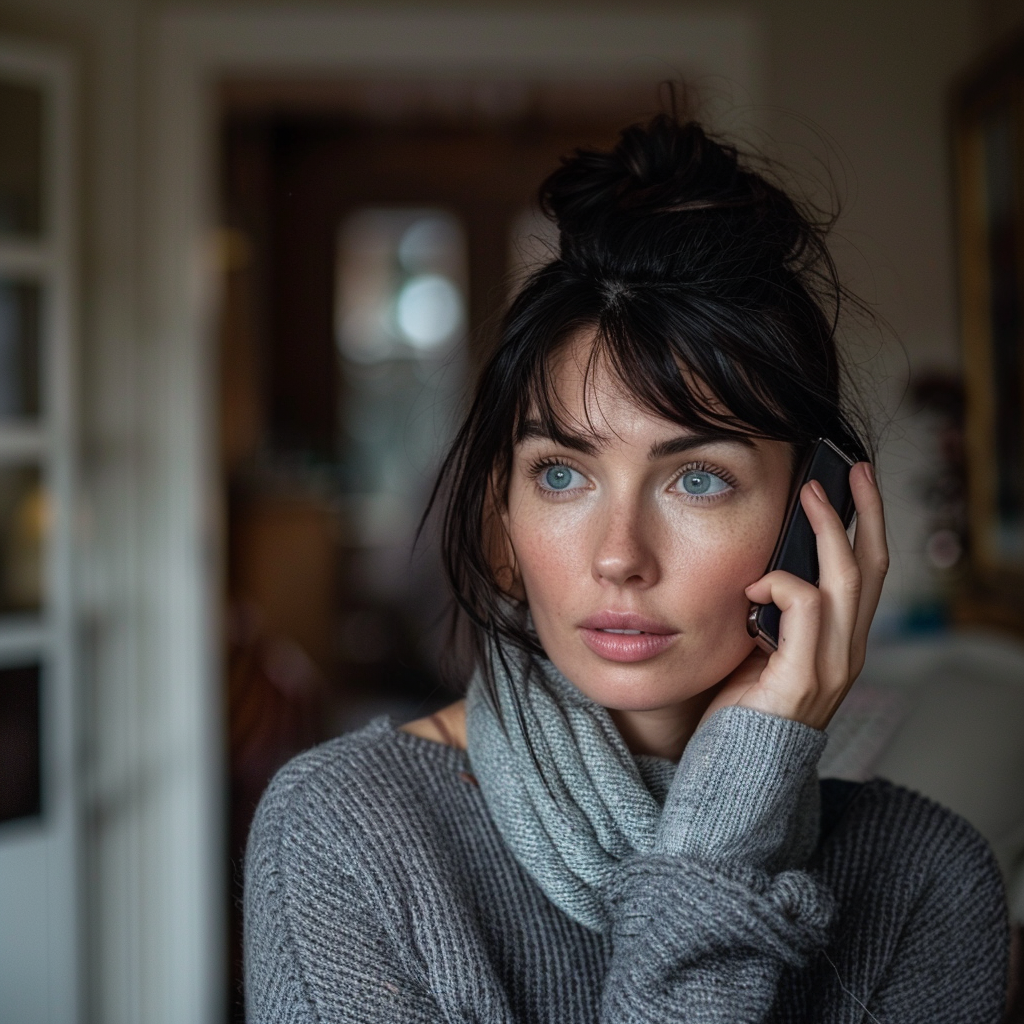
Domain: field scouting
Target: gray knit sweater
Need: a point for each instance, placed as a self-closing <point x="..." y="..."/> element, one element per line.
<point x="378" y="889"/>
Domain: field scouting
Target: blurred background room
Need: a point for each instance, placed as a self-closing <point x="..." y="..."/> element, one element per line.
<point x="251" y="256"/>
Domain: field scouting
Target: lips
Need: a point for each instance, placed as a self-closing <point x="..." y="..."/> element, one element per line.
<point x="624" y="637"/>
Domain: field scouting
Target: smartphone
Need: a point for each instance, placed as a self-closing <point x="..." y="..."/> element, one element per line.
<point x="796" y="550"/>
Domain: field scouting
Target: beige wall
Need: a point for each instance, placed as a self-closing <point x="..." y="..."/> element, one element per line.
<point x="874" y="76"/>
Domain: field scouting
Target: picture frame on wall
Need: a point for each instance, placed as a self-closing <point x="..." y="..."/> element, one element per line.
<point x="987" y="118"/>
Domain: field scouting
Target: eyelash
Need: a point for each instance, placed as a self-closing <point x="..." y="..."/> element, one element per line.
<point x="704" y="467"/>
<point x="538" y="467"/>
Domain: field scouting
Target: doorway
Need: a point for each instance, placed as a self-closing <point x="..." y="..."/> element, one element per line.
<point x="372" y="232"/>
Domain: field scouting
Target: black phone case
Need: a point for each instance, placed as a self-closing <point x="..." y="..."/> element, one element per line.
<point x="796" y="550"/>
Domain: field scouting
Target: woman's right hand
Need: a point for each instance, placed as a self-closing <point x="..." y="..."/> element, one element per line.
<point x="824" y="629"/>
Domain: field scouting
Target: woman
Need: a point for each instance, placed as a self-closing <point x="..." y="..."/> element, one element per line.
<point x="622" y="821"/>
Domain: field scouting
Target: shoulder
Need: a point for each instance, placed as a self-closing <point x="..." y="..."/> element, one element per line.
<point x="339" y="791"/>
<point x="325" y="831"/>
<point x="900" y="817"/>
<point x="919" y="886"/>
<point x="884" y="831"/>
<point x="322" y="880"/>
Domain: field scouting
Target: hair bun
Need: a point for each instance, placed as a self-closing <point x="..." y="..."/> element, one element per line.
<point x="678" y="176"/>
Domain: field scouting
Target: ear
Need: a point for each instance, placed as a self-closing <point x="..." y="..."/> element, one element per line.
<point x="497" y="540"/>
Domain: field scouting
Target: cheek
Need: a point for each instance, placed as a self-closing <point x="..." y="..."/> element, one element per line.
<point x="550" y="553"/>
<point x="711" y="569"/>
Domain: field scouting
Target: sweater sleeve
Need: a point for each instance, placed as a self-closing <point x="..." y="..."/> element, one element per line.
<point x="705" y="924"/>
<point x="314" y="950"/>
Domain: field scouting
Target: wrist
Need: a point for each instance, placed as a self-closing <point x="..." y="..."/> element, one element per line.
<point x="746" y="791"/>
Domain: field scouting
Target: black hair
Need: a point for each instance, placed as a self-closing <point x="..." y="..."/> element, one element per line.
<point x="676" y="254"/>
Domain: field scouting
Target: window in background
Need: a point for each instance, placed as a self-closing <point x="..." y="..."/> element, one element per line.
<point x="19" y="742"/>
<point x="19" y="349"/>
<point x="400" y="326"/>
<point x="23" y="517"/>
<point x="21" y="159"/>
<point x="23" y="283"/>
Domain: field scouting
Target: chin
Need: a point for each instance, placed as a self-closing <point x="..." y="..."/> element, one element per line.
<point x="657" y="683"/>
<point x="638" y="687"/>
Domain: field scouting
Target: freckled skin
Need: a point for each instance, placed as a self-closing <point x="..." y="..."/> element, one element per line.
<point x="629" y="539"/>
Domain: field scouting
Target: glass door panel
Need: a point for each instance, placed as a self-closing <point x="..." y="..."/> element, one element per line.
<point x="20" y="303"/>
<point x="400" y="325"/>
<point x="20" y="790"/>
<point x="400" y="318"/>
<point x="23" y="518"/>
<point x="21" y="160"/>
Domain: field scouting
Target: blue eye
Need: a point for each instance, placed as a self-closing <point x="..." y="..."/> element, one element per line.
<point x="561" y="478"/>
<point x="700" y="481"/>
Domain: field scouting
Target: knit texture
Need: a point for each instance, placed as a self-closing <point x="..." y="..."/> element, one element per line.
<point x="380" y="889"/>
<point x="573" y="802"/>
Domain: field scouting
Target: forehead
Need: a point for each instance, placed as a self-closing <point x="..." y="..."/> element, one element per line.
<point x="585" y="395"/>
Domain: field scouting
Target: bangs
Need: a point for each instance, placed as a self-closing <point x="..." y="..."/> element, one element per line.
<point x="708" y="368"/>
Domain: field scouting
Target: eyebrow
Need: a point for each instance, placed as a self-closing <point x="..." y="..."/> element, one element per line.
<point x="590" y="444"/>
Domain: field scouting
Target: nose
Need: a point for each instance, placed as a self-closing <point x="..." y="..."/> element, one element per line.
<point x="624" y="549"/>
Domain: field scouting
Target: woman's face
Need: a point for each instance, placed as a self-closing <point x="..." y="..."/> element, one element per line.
<point x="635" y="543"/>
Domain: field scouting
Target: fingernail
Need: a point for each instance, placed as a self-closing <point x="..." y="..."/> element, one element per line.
<point x="819" y="491"/>
<point x="869" y="469"/>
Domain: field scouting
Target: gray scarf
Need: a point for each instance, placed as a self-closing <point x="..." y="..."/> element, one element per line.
<point x="749" y="792"/>
<point x="585" y="805"/>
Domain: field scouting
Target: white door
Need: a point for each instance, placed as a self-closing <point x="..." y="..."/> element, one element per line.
<point x="39" y="818"/>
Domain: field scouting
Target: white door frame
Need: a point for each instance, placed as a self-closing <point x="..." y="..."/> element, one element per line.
<point x="182" y="976"/>
<point x="40" y="866"/>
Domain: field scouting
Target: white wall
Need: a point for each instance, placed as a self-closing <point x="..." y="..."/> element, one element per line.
<point x="872" y="76"/>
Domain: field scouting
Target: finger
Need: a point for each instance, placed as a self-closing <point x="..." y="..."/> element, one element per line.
<point x="872" y="554"/>
<point x="800" y="603"/>
<point x="839" y="583"/>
